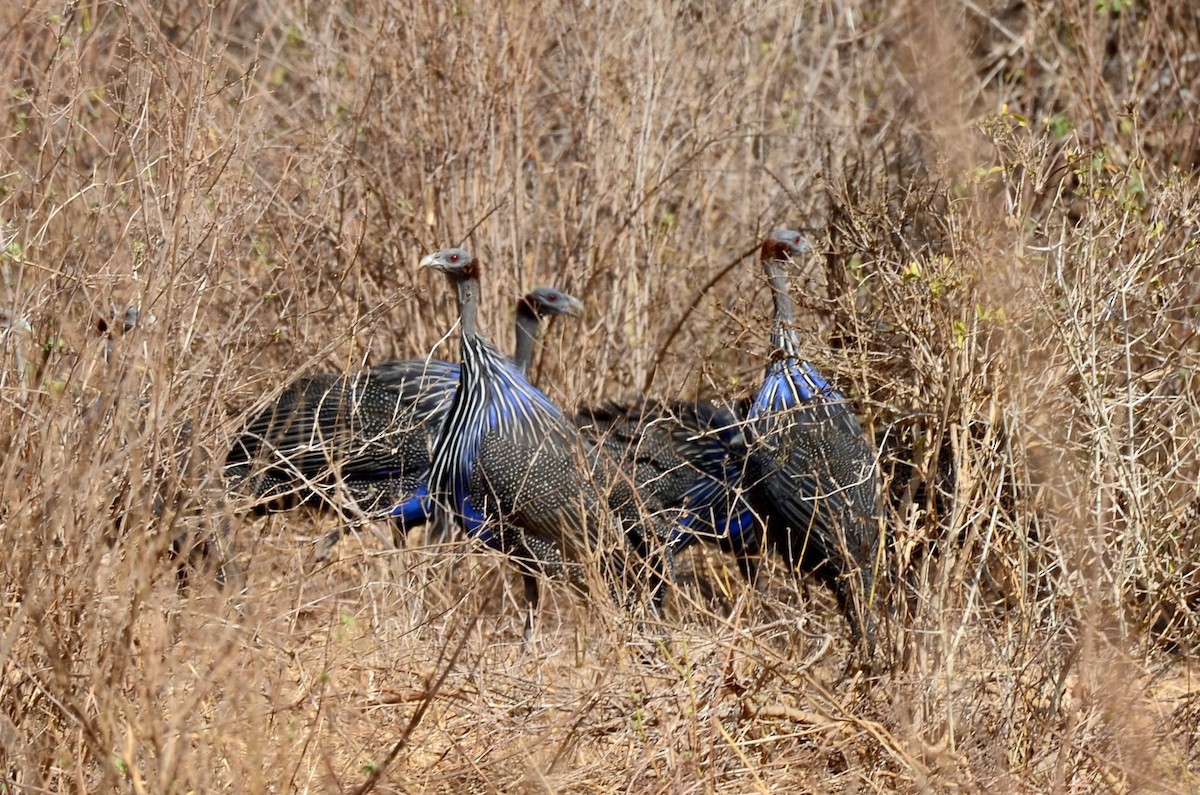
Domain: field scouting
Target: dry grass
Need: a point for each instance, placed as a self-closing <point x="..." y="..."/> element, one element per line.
<point x="1005" y="198"/>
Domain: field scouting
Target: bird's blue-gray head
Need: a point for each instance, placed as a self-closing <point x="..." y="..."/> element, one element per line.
<point x="454" y="262"/>
<point x="785" y="244"/>
<point x="543" y="301"/>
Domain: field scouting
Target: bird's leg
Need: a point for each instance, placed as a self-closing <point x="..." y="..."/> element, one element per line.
<point x="399" y="534"/>
<point x="862" y="622"/>
<point x="747" y="563"/>
<point x="532" y="596"/>
<point x="748" y="548"/>
<point x="662" y="574"/>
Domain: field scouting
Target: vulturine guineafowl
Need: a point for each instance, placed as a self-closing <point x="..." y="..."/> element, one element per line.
<point x="539" y="303"/>
<point x="369" y="433"/>
<point x="514" y="470"/>
<point x="691" y="456"/>
<point x="812" y="475"/>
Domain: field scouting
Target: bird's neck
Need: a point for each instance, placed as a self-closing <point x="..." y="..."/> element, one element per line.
<point x="527" y="329"/>
<point x="468" y="305"/>
<point x="783" y="330"/>
<point x="478" y="354"/>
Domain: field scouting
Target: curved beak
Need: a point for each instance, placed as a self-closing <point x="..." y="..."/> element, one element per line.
<point x="428" y="260"/>
<point x="574" y="306"/>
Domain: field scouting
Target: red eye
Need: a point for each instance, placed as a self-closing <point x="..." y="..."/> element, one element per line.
<point x="454" y="258"/>
<point x="552" y="297"/>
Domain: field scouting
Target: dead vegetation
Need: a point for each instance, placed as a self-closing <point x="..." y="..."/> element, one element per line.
<point x="1004" y="200"/>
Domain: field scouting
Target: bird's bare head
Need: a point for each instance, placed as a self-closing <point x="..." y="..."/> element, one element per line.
<point x="550" y="301"/>
<point x="454" y="262"/>
<point x="785" y="244"/>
